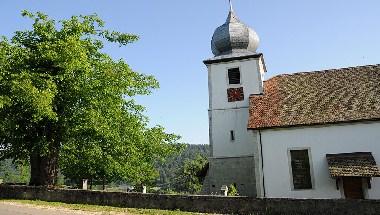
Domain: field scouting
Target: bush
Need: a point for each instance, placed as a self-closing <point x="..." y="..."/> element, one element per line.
<point x="232" y="190"/>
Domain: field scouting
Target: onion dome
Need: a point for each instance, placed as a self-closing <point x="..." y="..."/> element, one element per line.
<point x="234" y="37"/>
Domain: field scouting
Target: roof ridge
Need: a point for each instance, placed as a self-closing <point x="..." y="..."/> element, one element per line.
<point x="324" y="71"/>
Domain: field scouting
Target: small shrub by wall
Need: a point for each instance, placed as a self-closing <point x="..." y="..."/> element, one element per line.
<point x="206" y="204"/>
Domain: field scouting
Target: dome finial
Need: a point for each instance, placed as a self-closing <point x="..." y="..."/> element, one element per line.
<point x="231" y="8"/>
<point x="234" y="37"/>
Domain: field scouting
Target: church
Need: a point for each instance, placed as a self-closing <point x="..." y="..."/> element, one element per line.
<point x="301" y="135"/>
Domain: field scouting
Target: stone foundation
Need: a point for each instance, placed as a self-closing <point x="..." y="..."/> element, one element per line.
<point x="226" y="171"/>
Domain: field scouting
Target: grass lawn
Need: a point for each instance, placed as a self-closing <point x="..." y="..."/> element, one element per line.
<point x="104" y="210"/>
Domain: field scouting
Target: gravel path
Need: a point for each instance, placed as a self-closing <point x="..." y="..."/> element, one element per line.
<point x="10" y="208"/>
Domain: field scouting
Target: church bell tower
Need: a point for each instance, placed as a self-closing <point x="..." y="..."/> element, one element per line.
<point x="234" y="73"/>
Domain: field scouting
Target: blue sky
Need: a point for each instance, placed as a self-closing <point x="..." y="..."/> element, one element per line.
<point x="296" y="35"/>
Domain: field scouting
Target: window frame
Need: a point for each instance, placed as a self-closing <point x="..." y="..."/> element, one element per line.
<point x="311" y="170"/>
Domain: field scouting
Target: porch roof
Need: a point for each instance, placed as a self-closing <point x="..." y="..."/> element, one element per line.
<point x="358" y="164"/>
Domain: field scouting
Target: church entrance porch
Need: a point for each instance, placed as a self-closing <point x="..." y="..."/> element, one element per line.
<point x="354" y="172"/>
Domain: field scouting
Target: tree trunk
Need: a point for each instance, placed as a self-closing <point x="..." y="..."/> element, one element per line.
<point x="44" y="166"/>
<point x="104" y="182"/>
<point x="44" y="169"/>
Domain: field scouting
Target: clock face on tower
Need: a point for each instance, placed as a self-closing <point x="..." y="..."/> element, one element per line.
<point x="235" y="94"/>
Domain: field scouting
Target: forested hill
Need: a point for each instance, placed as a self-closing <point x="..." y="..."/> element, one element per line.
<point x="169" y="169"/>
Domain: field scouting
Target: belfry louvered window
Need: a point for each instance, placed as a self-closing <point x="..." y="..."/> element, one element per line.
<point x="234" y="76"/>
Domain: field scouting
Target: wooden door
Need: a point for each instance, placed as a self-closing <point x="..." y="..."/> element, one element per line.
<point x="353" y="187"/>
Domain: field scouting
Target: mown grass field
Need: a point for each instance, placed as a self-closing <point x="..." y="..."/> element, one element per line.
<point x="102" y="210"/>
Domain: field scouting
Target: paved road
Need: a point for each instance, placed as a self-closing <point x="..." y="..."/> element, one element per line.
<point x="9" y="208"/>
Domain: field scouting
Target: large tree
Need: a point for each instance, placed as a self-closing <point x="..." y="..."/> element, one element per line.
<point x="191" y="175"/>
<point x="64" y="101"/>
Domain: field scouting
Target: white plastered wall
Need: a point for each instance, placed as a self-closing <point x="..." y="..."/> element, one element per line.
<point x="322" y="140"/>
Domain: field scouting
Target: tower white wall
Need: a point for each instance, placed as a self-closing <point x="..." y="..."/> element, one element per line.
<point x="227" y="116"/>
<point x="224" y="121"/>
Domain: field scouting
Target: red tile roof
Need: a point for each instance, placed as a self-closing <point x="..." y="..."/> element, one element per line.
<point x="329" y="96"/>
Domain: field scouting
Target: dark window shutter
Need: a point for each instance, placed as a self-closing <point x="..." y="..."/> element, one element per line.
<point x="301" y="169"/>
<point x="234" y="76"/>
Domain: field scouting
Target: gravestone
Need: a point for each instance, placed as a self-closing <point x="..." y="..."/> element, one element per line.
<point x="84" y="184"/>
<point x="224" y="190"/>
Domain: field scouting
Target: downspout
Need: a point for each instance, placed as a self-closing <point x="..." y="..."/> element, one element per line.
<point x="262" y="163"/>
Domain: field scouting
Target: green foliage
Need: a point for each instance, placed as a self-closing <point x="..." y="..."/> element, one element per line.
<point x="12" y="172"/>
<point x="61" y="96"/>
<point x="191" y="175"/>
<point x="232" y="190"/>
<point x="173" y="166"/>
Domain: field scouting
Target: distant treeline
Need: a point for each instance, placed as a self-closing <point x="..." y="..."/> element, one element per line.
<point x="170" y="169"/>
